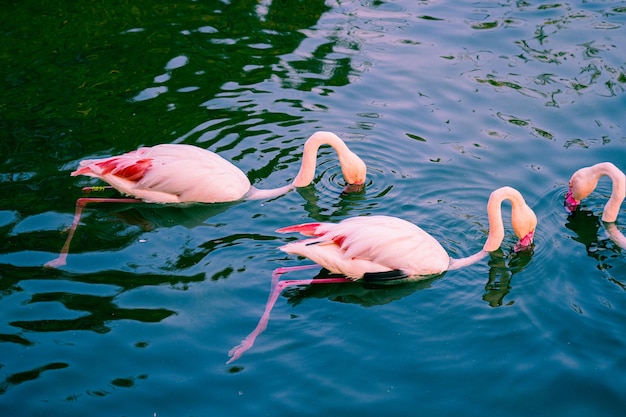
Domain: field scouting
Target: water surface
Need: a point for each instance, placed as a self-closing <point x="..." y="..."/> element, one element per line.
<point x="445" y="101"/>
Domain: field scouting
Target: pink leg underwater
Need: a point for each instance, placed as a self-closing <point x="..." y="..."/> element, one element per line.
<point x="276" y="289"/>
<point x="80" y="205"/>
<point x="97" y="188"/>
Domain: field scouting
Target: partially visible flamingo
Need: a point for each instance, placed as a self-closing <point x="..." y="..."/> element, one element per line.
<point x="383" y="248"/>
<point x="584" y="181"/>
<point x="178" y="173"/>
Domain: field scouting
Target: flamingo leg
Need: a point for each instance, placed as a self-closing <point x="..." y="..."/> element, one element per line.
<point x="96" y="188"/>
<point x="284" y="269"/>
<point x="277" y="288"/>
<point x="80" y="205"/>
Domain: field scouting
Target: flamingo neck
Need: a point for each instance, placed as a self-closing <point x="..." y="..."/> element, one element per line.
<point x="352" y="167"/>
<point x="262" y="194"/>
<point x="467" y="261"/>
<point x="309" y="158"/>
<point x="618" y="192"/>
<point x="522" y="217"/>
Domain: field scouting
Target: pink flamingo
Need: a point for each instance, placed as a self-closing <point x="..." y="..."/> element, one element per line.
<point x="383" y="248"/>
<point x="178" y="173"/>
<point x="584" y="181"/>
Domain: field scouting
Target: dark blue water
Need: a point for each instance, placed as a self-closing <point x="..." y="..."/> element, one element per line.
<point x="445" y="101"/>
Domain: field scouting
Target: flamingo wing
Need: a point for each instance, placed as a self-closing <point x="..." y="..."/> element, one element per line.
<point x="170" y="173"/>
<point x="360" y="245"/>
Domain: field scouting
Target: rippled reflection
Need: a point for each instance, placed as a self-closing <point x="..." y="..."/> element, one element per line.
<point x="100" y="311"/>
<point x="363" y="294"/>
<point x="607" y="253"/>
<point x="563" y="61"/>
<point x="25" y="376"/>
<point x="91" y="312"/>
<point x="501" y="272"/>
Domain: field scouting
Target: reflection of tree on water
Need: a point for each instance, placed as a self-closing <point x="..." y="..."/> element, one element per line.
<point x="25" y="376"/>
<point x="220" y="50"/>
<point x="100" y="310"/>
<point x="606" y="252"/>
<point x="234" y="50"/>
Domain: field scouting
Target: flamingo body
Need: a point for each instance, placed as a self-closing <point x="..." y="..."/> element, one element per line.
<point x="170" y="173"/>
<point x="178" y="173"/>
<point x="359" y="246"/>
<point x="371" y="244"/>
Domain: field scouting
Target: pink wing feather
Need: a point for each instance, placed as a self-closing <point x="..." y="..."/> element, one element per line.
<point x="376" y="242"/>
<point x="306" y="229"/>
<point x="129" y="169"/>
<point x="170" y="173"/>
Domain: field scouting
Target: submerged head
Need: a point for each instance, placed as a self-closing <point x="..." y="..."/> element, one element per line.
<point x="585" y="180"/>
<point x="525" y="242"/>
<point x="354" y="171"/>
<point x="524" y="224"/>
<point x="570" y="202"/>
<point x="581" y="184"/>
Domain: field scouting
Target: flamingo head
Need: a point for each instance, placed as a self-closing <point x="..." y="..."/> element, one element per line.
<point x="570" y="203"/>
<point x="525" y="242"/>
<point x="582" y="183"/>
<point x="524" y="223"/>
<point x="354" y="172"/>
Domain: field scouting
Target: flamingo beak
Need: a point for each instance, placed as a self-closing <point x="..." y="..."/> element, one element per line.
<point x="525" y="242"/>
<point x="570" y="202"/>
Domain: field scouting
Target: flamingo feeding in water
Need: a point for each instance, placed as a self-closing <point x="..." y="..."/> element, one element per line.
<point x="383" y="248"/>
<point x="584" y="181"/>
<point x="178" y="173"/>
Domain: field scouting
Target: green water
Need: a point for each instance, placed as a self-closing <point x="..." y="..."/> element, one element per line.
<point x="445" y="101"/>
